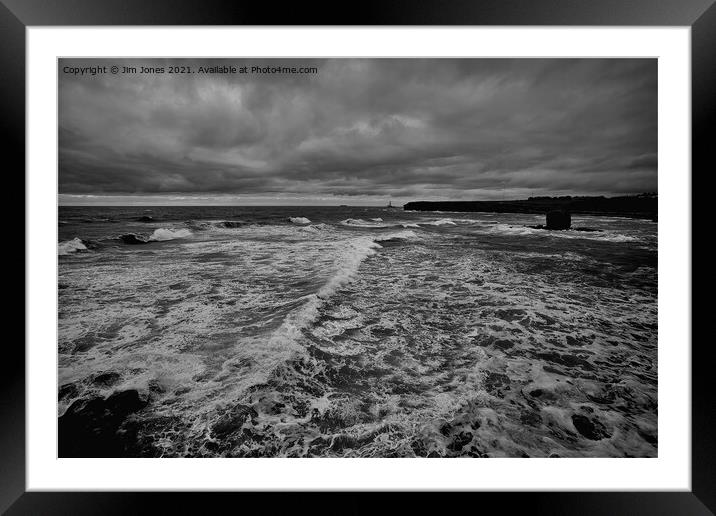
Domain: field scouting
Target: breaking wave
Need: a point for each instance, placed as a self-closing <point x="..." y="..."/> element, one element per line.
<point x="415" y="336"/>
<point x="164" y="234"/>
<point x="376" y="223"/>
<point x="347" y="263"/>
<point x="70" y="246"/>
<point x="441" y="222"/>
<point x="602" y="235"/>
<point x="360" y="223"/>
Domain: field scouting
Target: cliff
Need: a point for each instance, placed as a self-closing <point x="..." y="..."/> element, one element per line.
<point x="636" y="206"/>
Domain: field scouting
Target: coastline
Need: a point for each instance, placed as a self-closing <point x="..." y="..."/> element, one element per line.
<point x="635" y="207"/>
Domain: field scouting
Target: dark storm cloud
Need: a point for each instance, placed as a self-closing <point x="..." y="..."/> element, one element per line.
<point x="401" y="128"/>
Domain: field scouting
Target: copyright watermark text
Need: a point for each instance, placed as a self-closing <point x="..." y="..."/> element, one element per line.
<point x="185" y="69"/>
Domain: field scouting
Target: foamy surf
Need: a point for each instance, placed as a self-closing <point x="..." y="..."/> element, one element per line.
<point x="376" y="223"/>
<point x="70" y="246"/>
<point x="346" y="265"/>
<point x="600" y="235"/>
<point x="441" y="222"/>
<point x="165" y="234"/>
<point x="284" y="342"/>
<point x="360" y="223"/>
<point x="274" y="339"/>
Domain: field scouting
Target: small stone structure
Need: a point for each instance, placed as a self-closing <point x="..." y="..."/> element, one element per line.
<point x="558" y="219"/>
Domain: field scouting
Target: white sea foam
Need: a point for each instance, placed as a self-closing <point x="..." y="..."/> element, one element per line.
<point x="195" y="347"/>
<point x="441" y="222"/>
<point x="359" y="223"/>
<point x="377" y="223"/>
<point x="285" y="338"/>
<point x="616" y="237"/>
<point x="315" y="228"/>
<point x="164" y="234"/>
<point x="299" y="220"/>
<point x="606" y="235"/>
<point x="70" y="246"/>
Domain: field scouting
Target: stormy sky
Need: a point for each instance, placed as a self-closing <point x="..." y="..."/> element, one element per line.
<point x="359" y="131"/>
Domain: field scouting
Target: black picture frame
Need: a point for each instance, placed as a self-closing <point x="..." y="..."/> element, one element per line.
<point x="700" y="15"/>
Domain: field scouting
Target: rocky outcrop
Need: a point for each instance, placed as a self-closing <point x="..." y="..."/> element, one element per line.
<point x="637" y="206"/>
<point x="132" y="239"/>
<point x="558" y="219"/>
<point x="90" y="428"/>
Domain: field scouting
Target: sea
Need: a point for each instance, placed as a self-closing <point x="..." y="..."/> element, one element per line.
<point x="224" y="331"/>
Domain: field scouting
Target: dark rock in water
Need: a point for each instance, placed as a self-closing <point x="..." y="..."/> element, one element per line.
<point x="89" y="428"/>
<point x="233" y="420"/>
<point x="106" y="379"/>
<point x="145" y="218"/>
<point x="125" y="402"/>
<point x="68" y="390"/>
<point x="132" y="239"/>
<point x="558" y="219"/>
<point x="592" y="429"/>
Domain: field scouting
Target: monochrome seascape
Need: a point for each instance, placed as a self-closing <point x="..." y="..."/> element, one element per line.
<point x="357" y="257"/>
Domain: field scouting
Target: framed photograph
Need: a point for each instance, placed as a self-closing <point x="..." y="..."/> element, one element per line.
<point x="427" y="248"/>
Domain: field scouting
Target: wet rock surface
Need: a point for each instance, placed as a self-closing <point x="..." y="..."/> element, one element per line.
<point x="132" y="239"/>
<point x="91" y="428"/>
<point x="558" y="220"/>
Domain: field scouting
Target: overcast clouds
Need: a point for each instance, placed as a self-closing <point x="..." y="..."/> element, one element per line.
<point x="360" y="131"/>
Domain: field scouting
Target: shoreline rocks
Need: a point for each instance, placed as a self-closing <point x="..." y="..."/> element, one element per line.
<point x="558" y="220"/>
<point x="90" y="427"/>
<point x="642" y="206"/>
<point x="132" y="239"/>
